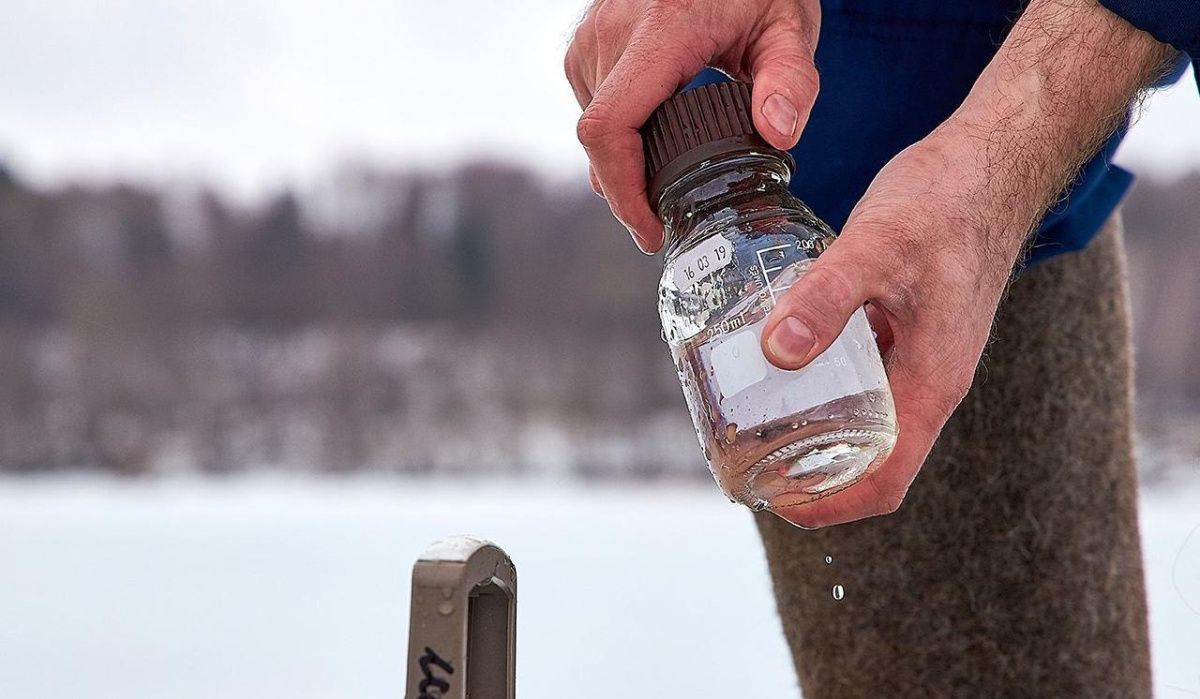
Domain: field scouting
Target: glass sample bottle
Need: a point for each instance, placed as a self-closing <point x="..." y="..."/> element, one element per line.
<point x="736" y="240"/>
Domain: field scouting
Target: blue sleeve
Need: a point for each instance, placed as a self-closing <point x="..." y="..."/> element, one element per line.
<point x="1174" y="22"/>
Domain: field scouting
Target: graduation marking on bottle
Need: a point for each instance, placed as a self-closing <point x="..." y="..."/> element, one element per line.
<point x="709" y="256"/>
<point x="770" y="262"/>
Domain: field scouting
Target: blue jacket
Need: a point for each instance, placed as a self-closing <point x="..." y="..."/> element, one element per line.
<point x="892" y="70"/>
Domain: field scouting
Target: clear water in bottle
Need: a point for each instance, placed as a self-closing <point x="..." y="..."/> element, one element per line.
<point x="736" y="240"/>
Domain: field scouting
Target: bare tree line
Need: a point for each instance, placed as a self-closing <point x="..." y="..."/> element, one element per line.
<point x="482" y="320"/>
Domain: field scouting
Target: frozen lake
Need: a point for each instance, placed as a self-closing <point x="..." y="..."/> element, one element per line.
<point x="270" y="587"/>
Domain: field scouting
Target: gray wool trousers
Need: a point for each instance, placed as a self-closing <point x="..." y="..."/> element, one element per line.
<point x="1013" y="569"/>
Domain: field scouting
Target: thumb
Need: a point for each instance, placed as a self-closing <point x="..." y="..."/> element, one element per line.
<point x="815" y="309"/>
<point x="785" y="82"/>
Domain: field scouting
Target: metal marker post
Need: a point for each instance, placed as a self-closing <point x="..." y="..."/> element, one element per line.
<point x="462" y="629"/>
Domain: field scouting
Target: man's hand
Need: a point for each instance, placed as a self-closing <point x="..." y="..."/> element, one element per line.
<point x="931" y="244"/>
<point x="933" y="268"/>
<point x="629" y="56"/>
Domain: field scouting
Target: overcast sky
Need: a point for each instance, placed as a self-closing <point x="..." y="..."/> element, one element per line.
<point x="253" y="94"/>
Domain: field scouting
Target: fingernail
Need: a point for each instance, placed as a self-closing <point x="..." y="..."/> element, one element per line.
<point x="791" y="341"/>
<point x="780" y="114"/>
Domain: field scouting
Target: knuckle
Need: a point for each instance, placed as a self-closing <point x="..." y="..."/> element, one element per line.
<point x="582" y="31"/>
<point x="808" y="80"/>
<point x="660" y="8"/>
<point x="583" y="38"/>
<point x="886" y="499"/>
<point x="826" y="292"/>
<point x="834" y="281"/>
<point x="609" y="16"/>
<point x="594" y="126"/>
<point x="889" y="503"/>
<point x="795" y="47"/>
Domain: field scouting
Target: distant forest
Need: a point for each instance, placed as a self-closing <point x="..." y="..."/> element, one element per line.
<point x="151" y="329"/>
<point x="483" y="243"/>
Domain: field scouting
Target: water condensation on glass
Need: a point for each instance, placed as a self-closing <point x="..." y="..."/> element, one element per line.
<point x="773" y="438"/>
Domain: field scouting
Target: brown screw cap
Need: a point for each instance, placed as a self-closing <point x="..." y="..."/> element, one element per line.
<point x="697" y="126"/>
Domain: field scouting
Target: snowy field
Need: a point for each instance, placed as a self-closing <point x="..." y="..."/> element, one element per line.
<point x="267" y="587"/>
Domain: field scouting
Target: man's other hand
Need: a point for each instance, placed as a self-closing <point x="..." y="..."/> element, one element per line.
<point x="629" y="56"/>
<point x="932" y="243"/>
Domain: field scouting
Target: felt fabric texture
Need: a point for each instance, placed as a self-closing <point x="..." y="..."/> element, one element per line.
<point x="1013" y="569"/>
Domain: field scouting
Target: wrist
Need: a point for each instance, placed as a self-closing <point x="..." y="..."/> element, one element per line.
<point x="1000" y="206"/>
<point x="1060" y="84"/>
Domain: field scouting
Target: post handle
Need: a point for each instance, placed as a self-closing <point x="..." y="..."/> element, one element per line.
<point x="462" y="629"/>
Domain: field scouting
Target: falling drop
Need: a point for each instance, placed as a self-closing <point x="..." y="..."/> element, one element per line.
<point x="731" y="433"/>
<point x="828" y="560"/>
<point x="839" y="592"/>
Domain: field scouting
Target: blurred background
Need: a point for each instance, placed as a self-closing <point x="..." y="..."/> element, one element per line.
<point x="287" y="292"/>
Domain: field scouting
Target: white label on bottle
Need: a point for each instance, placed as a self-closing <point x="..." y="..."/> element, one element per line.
<point x="738" y="363"/>
<point x="709" y="256"/>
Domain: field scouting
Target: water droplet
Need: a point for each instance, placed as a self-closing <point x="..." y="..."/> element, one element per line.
<point x="803" y="422"/>
<point x="447" y="592"/>
<point x="445" y="609"/>
<point x="731" y="433"/>
<point x="663" y="335"/>
<point x="828" y="560"/>
<point x="758" y="433"/>
<point x="858" y="344"/>
<point x="795" y="425"/>
<point x="839" y="592"/>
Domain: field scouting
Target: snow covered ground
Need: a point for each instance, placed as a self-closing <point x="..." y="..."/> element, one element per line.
<point x="264" y="587"/>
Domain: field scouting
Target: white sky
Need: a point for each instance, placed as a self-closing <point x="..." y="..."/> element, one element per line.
<point x="253" y="94"/>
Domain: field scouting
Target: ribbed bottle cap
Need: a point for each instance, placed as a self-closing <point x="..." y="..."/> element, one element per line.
<point x="696" y="126"/>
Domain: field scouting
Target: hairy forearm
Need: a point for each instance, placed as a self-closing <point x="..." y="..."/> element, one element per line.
<point x="1059" y="85"/>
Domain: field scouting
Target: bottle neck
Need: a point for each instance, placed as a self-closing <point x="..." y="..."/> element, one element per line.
<point x="721" y="190"/>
